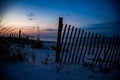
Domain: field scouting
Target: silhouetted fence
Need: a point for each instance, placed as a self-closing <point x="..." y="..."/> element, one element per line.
<point x="75" y="45"/>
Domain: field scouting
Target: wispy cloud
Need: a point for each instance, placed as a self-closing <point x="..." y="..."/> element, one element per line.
<point x="31" y="16"/>
<point x="50" y="30"/>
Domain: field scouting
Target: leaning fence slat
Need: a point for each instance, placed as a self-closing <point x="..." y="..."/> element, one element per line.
<point x="63" y="51"/>
<point x="63" y="35"/>
<point x="79" y="44"/>
<point x="76" y="52"/>
<point x="113" y="52"/>
<point x="109" y="54"/>
<point x="75" y="46"/>
<point x="117" y="50"/>
<point x="72" y="44"/>
<point x="68" y="44"/>
<point x="90" y="45"/>
<point x="100" y="51"/>
<point x="118" y="59"/>
<point x="97" y="49"/>
<point x="106" y="52"/>
<point x="87" y="41"/>
<point x="81" y="52"/>
<point x="94" y="44"/>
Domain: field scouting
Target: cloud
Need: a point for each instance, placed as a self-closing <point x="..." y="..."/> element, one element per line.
<point x="31" y="19"/>
<point x="50" y="29"/>
<point x="31" y="16"/>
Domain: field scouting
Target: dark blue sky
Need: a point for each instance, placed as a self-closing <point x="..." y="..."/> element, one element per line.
<point x="95" y="10"/>
<point x="106" y="9"/>
<point x="80" y="13"/>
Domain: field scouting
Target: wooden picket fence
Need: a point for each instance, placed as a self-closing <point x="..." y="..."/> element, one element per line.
<point x="78" y="46"/>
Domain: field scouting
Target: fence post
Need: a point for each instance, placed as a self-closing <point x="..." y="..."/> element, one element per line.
<point x="19" y="34"/>
<point x="60" y="25"/>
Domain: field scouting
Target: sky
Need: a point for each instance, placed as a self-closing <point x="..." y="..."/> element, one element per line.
<point x="89" y="14"/>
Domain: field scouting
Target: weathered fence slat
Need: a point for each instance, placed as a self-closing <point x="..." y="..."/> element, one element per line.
<point x="72" y="44"/>
<point x="63" y="51"/>
<point x="82" y="47"/>
<point x="97" y="50"/>
<point x="68" y="44"/>
<point x="94" y="44"/>
<point x="63" y="35"/>
<point x="99" y="53"/>
<point x="109" y="55"/>
<point x="113" y="52"/>
<point x="90" y="45"/>
<point x="74" y="52"/>
<point x="116" y="52"/>
<point x="79" y="44"/>
<point x="62" y="42"/>
<point x="106" y="50"/>
<point x="87" y="41"/>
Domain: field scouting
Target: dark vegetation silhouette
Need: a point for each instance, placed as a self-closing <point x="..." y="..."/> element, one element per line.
<point x="12" y="45"/>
